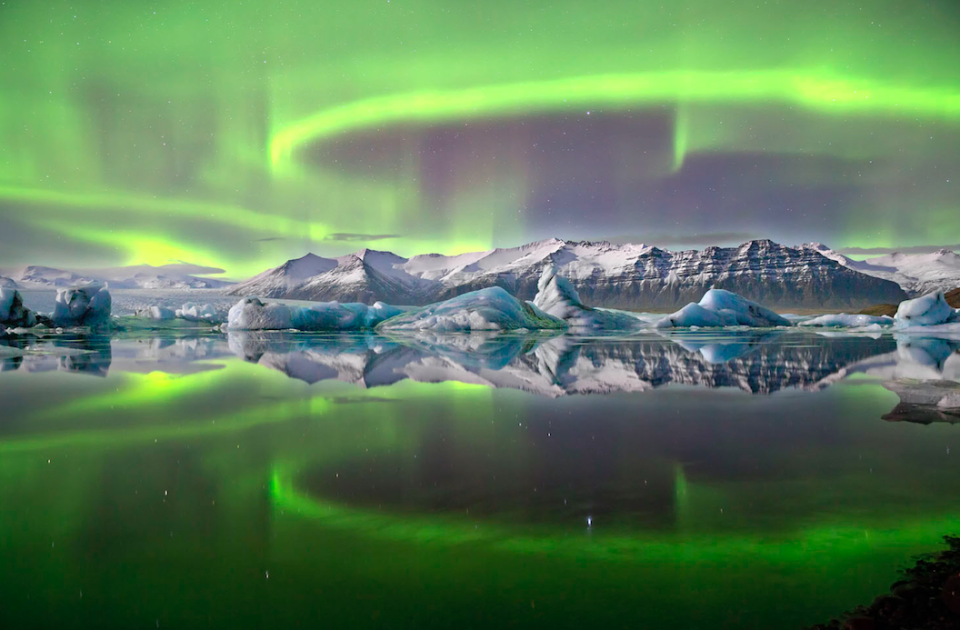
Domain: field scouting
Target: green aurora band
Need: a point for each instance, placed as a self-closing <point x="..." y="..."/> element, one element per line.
<point x="238" y="137"/>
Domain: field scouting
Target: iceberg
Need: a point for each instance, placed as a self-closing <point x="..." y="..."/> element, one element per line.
<point x="930" y="310"/>
<point x="198" y="313"/>
<point x="844" y="320"/>
<point x="82" y="306"/>
<point x="557" y="296"/>
<point x="719" y="307"/>
<point x="252" y="314"/>
<point x="159" y="313"/>
<point x="487" y="309"/>
<point x="12" y="311"/>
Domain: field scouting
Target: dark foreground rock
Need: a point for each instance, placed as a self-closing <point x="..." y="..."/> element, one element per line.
<point x="927" y="598"/>
<point x="953" y="298"/>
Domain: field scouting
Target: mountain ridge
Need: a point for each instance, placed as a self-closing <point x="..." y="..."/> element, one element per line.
<point x="632" y="276"/>
<point x="917" y="274"/>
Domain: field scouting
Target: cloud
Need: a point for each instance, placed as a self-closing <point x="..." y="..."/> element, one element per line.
<point x="704" y="239"/>
<point x="880" y="251"/>
<point x="353" y="237"/>
<point x="186" y="267"/>
<point x="339" y="237"/>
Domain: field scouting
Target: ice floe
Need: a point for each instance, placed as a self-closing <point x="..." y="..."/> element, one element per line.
<point x="844" y="320"/>
<point x="253" y="314"/>
<point x="487" y="309"/>
<point x="198" y="313"/>
<point x="719" y="307"/>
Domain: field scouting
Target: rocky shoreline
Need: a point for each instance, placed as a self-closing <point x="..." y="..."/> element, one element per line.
<point x="927" y="598"/>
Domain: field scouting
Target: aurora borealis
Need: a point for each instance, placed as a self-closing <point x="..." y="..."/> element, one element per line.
<point x="237" y="135"/>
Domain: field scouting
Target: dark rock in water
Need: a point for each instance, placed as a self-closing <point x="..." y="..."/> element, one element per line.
<point x="860" y="623"/>
<point x="928" y="598"/>
<point x="950" y="595"/>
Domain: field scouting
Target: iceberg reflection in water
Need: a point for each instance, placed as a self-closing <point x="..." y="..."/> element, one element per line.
<point x="545" y="364"/>
<point x="197" y="461"/>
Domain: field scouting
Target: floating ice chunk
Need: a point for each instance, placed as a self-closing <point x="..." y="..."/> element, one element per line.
<point x="722" y="308"/>
<point x="198" y="313"/>
<point x="252" y="314"/>
<point x="160" y="313"/>
<point x="691" y="315"/>
<point x="82" y="306"/>
<point x="557" y="296"/>
<point x="12" y="310"/>
<point x="930" y="310"/>
<point x="337" y="316"/>
<point x="843" y="320"/>
<point x="486" y="309"/>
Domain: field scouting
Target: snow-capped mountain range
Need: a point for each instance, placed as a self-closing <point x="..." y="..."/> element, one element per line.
<point x="917" y="274"/>
<point x="608" y="275"/>
<point x="134" y="277"/>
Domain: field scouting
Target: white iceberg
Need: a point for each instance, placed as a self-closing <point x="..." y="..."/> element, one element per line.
<point x="930" y="310"/>
<point x="719" y="308"/>
<point x="82" y="306"/>
<point x="487" y="309"/>
<point x="252" y="314"/>
<point x="12" y="310"/>
<point x="160" y="313"/>
<point x="198" y="313"/>
<point x="844" y="320"/>
<point x="557" y="296"/>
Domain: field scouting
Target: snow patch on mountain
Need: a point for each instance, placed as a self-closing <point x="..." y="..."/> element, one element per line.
<point x="917" y="274"/>
<point x="604" y="274"/>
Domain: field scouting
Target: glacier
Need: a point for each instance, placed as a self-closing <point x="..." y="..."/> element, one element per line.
<point x="718" y="308"/>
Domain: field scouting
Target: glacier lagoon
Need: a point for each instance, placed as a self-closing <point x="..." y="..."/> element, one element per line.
<point x="683" y="479"/>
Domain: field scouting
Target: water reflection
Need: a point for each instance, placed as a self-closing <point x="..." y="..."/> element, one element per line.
<point x="197" y="463"/>
<point x="543" y="364"/>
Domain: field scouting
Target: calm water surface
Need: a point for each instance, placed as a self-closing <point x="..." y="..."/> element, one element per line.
<point x="741" y="480"/>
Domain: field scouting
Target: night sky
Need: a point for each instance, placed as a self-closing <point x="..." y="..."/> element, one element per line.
<point x="237" y="135"/>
